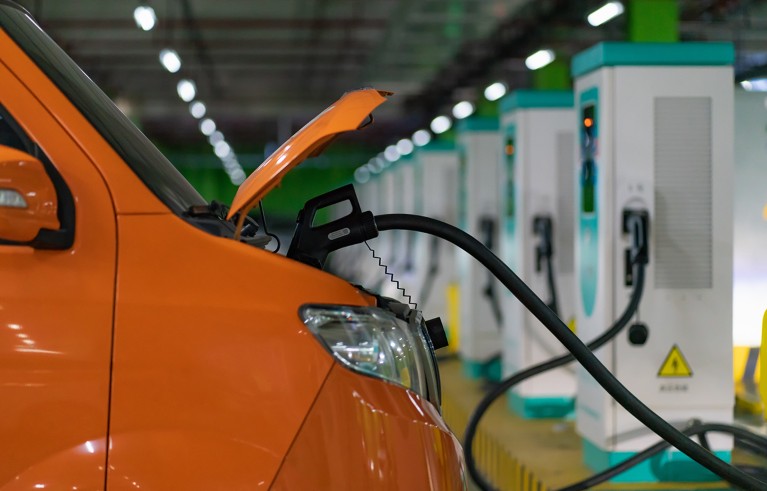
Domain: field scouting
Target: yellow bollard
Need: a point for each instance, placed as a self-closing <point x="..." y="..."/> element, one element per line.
<point x="453" y="316"/>
<point x="763" y="371"/>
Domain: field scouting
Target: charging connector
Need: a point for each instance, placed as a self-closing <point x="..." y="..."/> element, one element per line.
<point x="311" y="243"/>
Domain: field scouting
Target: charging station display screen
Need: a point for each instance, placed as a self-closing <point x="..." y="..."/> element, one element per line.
<point x="588" y="177"/>
<point x="510" y="152"/>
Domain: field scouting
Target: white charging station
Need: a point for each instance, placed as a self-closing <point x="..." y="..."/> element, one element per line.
<point x="385" y="244"/>
<point x="656" y="132"/>
<point x="397" y="251"/>
<point x="480" y="312"/>
<point x="537" y="192"/>
<point x="436" y="177"/>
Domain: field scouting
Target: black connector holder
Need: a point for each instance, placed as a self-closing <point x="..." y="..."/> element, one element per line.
<point x="639" y="252"/>
<point x="543" y="227"/>
<point x="312" y="244"/>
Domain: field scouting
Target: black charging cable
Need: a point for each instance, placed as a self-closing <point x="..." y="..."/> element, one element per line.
<point x="488" y="227"/>
<point x="696" y="428"/>
<point x="639" y="257"/>
<point x="579" y="350"/>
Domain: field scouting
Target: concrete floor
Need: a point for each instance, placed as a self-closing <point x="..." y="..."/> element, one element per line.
<point x="536" y="454"/>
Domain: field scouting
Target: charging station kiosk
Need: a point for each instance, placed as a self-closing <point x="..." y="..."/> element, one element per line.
<point x="436" y="177"/>
<point x="656" y="132"/>
<point x="480" y="311"/>
<point x="537" y="215"/>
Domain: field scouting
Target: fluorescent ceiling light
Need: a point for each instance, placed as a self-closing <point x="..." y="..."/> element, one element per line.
<point x="222" y="149"/>
<point x="539" y="59"/>
<point x="440" y="124"/>
<point x="215" y="137"/>
<point x="197" y="109"/>
<point x="362" y="175"/>
<point x="170" y="60"/>
<point x="207" y="126"/>
<point x="391" y="154"/>
<point x="605" y="13"/>
<point x="495" y="91"/>
<point x="463" y="109"/>
<point x="375" y="165"/>
<point x="382" y="158"/>
<point x="755" y="85"/>
<point x="186" y="90"/>
<point x="421" y="138"/>
<point x="145" y="17"/>
<point x="405" y="147"/>
<point x="237" y="176"/>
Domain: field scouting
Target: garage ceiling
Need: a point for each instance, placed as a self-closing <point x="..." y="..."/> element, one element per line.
<point x="265" y="67"/>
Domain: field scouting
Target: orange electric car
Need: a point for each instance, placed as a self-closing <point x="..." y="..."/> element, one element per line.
<point x="149" y="341"/>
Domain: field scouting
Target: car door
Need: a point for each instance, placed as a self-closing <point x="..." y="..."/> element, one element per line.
<point x="56" y="313"/>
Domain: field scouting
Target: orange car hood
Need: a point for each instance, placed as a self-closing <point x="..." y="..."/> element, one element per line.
<point x="346" y="114"/>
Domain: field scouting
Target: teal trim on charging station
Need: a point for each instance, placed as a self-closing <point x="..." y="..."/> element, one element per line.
<point x="588" y="185"/>
<point x="476" y="370"/>
<point x="494" y="370"/>
<point x="478" y="123"/>
<point x="473" y="370"/>
<point x="522" y="99"/>
<point x="540" y="407"/>
<point x="670" y="465"/>
<point x="652" y="54"/>
<point x="437" y="146"/>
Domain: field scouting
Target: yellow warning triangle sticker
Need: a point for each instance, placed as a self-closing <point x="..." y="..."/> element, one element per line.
<point x="675" y="365"/>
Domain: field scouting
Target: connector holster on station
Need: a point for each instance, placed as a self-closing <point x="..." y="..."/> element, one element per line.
<point x="636" y="223"/>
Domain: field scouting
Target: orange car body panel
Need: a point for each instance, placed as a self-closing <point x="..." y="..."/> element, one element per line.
<point x="55" y="324"/>
<point x="404" y="444"/>
<point x="207" y="331"/>
<point x="162" y="357"/>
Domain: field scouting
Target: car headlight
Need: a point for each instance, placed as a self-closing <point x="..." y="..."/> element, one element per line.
<point x="374" y="342"/>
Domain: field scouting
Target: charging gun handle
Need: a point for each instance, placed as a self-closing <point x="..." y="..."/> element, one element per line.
<point x="312" y="244"/>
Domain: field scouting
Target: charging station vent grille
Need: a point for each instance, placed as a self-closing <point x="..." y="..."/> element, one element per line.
<point x="682" y="225"/>
<point x="564" y="231"/>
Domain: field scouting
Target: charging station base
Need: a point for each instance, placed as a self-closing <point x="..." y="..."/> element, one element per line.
<point x="540" y="407"/>
<point x="670" y="465"/>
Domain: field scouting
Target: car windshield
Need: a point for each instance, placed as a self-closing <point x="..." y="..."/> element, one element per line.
<point x="157" y="173"/>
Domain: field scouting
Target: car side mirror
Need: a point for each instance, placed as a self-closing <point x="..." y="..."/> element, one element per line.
<point x="28" y="200"/>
